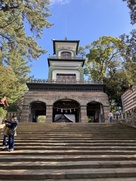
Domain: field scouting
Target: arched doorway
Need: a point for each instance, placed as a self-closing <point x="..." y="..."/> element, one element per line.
<point x="66" y="110"/>
<point x="95" y="112"/>
<point x="38" y="108"/>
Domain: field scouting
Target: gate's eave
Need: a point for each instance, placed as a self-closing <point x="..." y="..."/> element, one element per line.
<point x="65" y="87"/>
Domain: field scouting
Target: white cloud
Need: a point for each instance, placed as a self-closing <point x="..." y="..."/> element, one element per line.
<point x="53" y="2"/>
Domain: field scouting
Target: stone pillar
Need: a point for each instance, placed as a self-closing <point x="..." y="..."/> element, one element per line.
<point x="106" y="110"/>
<point x="84" y="117"/>
<point x="25" y="113"/>
<point x="49" y="113"/>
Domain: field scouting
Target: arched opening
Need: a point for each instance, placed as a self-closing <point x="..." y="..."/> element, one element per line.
<point x="38" y="111"/>
<point x="66" y="110"/>
<point x="95" y="112"/>
<point x="66" y="55"/>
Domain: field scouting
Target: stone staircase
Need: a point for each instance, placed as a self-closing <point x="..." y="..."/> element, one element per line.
<point x="71" y="152"/>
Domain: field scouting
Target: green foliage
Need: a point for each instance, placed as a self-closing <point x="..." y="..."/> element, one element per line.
<point x="14" y="15"/>
<point x="41" y="119"/>
<point x="7" y="81"/>
<point x="104" y="56"/>
<point x="13" y="108"/>
<point x="130" y="41"/>
<point x="116" y="83"/>
<point x="2" y="113"/>
<point x="130" y="56"/>
<point x="17" y="47"/>
<point x="10" y="84"/>
<point x="106" y="61"/>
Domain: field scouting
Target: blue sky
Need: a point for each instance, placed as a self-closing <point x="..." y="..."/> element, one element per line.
<point x="84" y="20"/>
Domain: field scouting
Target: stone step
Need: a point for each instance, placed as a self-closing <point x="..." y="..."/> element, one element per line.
<point x="98" y="137"/>
<point x="79" y="144"/>
<point x="67" y="165"/>
<point x="101" y="179"/>
<point x="64" y="147"/>
<point x="71" y="152"/>
<point x="76" y="140"/>
<point x="20" y="156"/>
<point x="37" y="174"/>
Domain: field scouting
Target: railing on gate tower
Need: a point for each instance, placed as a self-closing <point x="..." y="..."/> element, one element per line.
<point x="65" y="81"/>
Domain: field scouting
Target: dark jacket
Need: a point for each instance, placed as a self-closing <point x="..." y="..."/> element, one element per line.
<point x="12" y="124"/>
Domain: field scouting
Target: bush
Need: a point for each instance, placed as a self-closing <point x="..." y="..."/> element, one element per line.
<point x="41" y="119"/>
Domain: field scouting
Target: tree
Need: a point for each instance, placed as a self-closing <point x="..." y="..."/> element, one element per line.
<point x="130" y="40"/>
<point x="14" y="15"/>
<point x="116" y="84"/>
<point x="17" y="47"/>
<point x="105" y="61"/>
<point x="2" y="113"/>
<point x="130" y="56"/>
<point x="132" y="6"/>
<point x="104" y="56"/>
<point x="9" y="83"/>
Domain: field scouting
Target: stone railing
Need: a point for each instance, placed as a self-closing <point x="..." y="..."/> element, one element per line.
<point x="70" y="81"/>
<point x="126" y="119"/>
<point x="65" y="57"/>
<point x="131" y="121"/>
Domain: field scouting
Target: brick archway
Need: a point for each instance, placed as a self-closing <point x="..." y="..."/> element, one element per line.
<point x="66" y="110"/>
<point x="38" y="108"/>
<point x="95" y="112"/>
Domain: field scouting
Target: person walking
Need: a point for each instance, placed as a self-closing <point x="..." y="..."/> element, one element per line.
<point x="110" y="117"/>
<point x="12" y="125"/>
